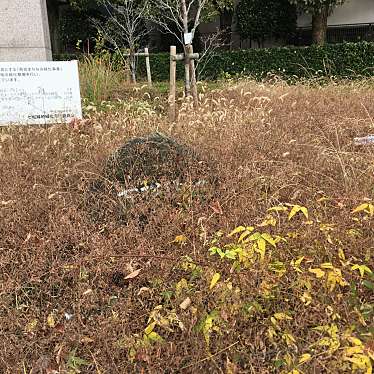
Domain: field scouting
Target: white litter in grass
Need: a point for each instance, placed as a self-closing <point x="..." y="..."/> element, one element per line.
<point x="364" y="140"/>
<point x="132" y="191"/>
<point x="68" y="316"/>
<point x="200" y="182"/>
<point x="129" y="193"/>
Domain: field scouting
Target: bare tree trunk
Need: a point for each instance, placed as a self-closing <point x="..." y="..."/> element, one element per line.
<point x="195" y="96"/>
<point x="187" y="83"/>
<point x="132" y="59"/>
<point x="319" y="26"/>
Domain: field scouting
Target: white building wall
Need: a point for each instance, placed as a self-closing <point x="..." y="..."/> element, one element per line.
<point x="351" y="12"/>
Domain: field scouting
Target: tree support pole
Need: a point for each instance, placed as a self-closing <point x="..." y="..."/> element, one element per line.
<point x="173" y="78"/>
<point x="148" y="66"/>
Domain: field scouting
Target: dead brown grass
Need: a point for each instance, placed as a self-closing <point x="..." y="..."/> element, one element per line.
<point x="271" y="144"/>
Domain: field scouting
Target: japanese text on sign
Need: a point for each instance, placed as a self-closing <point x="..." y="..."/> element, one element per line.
<point x="39" y="92"/>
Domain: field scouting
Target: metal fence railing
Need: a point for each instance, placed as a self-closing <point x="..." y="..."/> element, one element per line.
<point x="338" y="33"/>
<point x="302" y="37"/>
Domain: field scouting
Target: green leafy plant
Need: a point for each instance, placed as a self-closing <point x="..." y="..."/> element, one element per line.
<point x="75" y="363"/>
<point x="249" y="247"/>
<point x="262" y="19"/>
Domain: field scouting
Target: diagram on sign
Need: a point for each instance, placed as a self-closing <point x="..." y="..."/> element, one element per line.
<point x="39" y="93"/>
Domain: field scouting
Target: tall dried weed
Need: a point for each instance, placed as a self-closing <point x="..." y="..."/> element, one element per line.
<point x="71" y="295"/>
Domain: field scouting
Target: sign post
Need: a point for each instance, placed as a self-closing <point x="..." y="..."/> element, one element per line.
<point x="39" y="92"/>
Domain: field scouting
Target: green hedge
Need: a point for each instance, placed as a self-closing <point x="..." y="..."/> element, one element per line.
<point x="160" y="67"/>
<point x="346" y="60"/>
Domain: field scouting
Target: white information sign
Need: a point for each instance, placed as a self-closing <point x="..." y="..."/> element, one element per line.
<point x="188" y="38"/>
<point x="39" y="92"/>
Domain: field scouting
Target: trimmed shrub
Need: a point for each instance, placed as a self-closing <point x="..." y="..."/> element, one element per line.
<point x="347" y="60"/>
<point x="160" y="67"/>
<point x="343" y="61"/>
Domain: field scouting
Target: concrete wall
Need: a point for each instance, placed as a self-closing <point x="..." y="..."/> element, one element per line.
<point x="351" y="12"/>
<point x="24" y="31"/>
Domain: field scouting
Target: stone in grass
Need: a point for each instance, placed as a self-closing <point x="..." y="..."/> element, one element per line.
<point x="154" y="163"/>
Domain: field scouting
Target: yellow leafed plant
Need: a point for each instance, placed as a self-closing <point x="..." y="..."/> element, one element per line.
<point x="296" y="209"/>
<point x="214" y="280"/>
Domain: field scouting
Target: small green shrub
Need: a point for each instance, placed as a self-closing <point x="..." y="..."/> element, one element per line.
<point x="98" y="78"/>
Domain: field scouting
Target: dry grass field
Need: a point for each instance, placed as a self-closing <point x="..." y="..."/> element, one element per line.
<point x="268" y="270"/>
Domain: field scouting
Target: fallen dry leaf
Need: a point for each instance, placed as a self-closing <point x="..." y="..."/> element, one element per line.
<point x="180" y="239"/>
<point x="86" y="339"/>
<point x="133" y="274"/>
<point x="216" y="207"/>
<point x="185" y="303"/>
<point x="5" y="137"/>
<point x="5" y="203"/>
<point x="143" y="289"/>
<point x="51" y="320"/>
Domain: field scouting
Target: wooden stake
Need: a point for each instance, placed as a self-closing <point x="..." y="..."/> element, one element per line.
<point x="148" y="65"/>
<point x="173" y="78"/>
<point x="187" y="78"/>
<point x="193" y="77"/>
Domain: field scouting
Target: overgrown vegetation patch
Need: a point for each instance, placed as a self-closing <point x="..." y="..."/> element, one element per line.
<point x="272" y="273"/>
